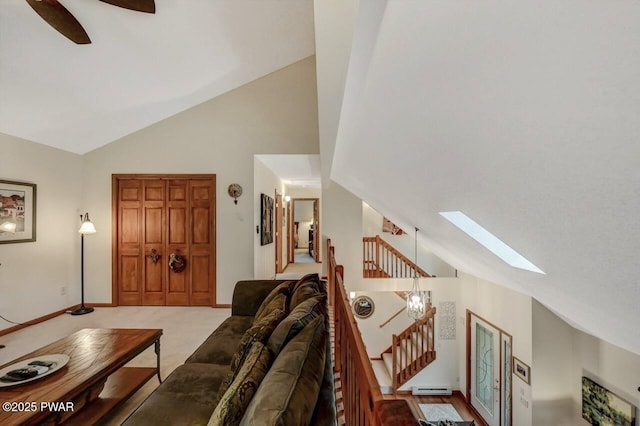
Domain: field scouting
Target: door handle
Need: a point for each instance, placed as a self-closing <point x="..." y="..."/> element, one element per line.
<point x="154" y="256"/>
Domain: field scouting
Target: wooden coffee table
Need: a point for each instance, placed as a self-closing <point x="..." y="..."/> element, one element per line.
<point x="94" y="380"/>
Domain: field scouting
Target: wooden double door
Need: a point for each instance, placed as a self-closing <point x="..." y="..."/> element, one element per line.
<point x="164" y="230"/>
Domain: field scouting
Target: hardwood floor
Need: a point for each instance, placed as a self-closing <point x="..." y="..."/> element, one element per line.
<point x="457" y="400"/>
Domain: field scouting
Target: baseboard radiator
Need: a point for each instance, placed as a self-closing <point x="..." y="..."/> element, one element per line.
<point x="431" y="390"/>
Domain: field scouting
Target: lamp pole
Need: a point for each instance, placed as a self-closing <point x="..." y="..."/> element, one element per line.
<point x="86" y="228"/>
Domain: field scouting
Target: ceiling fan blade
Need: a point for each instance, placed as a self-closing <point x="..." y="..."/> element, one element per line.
<point x="61" y="19"/>
<point x="148" y="6"/>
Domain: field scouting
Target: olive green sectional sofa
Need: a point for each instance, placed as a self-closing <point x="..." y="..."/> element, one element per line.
<point x="269" y="363"/>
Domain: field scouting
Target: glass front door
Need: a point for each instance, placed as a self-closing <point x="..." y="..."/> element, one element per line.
<point x="486" y="384"/>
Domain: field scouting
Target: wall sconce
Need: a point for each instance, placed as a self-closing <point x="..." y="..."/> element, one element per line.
<point x="287" y="198"/>
<point x="234" y="191"/>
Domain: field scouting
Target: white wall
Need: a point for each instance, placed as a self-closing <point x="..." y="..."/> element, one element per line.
<point x="511" y="311"/>
<point x="372" y="226"/>
<point x="334" y="27"/>
<point x="611" y="366"/>
<point x="562" y="355"/>
<point x="342" y="222"/>
<point x="265" y="182"/>
<point x="303" y="210"/>
<point x="303" y="234"/>
<point x="386" y="304"/>
<point x="552" y="368"/>
<point x="276" y="114"/>
<point x="32" y="274"/>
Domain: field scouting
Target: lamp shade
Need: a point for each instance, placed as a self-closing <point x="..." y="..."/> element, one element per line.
<point x="87" y="226"/>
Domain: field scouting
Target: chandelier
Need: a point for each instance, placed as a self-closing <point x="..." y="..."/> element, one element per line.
<point x="416" y="298"/>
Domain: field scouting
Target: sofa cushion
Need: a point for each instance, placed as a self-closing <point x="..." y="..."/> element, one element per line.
<point x="235" y="400"/>
<point x="297" y="319"/>
<point x="187" y="391"/>
<point x="258" y="332"/>
<point x="307" y="286"/>
<point x="288" y="393"/>
<point x="223" y="342"/>
<point x="277" y="299"/>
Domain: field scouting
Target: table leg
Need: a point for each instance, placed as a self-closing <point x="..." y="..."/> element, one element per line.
<point x="157" y="350"/>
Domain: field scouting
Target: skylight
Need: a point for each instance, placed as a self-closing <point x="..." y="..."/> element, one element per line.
<point x="490" y="241"/>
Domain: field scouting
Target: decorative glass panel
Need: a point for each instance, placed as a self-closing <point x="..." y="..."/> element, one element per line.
<point x="484" y="367"/>
<point x="506" y="373"/>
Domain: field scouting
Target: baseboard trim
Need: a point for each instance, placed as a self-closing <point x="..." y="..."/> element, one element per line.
<point x="44" y="318"/>
<point x="26" y="324"/>
<point x="222" y="305"/>
<point x="460" y="394"/>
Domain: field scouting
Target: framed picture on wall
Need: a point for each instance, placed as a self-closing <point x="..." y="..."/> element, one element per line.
<point x="17" y="212"/>
<point x="266" y="228"/>
<point x="522" y="370"/>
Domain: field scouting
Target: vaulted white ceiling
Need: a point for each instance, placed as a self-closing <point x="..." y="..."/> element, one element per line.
<point x="140" y="68"/>
<point x="522" y="115"/>
<point x="295" y="170"/>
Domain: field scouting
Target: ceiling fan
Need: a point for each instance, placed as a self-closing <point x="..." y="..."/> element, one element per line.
<point x="66" y="24"/>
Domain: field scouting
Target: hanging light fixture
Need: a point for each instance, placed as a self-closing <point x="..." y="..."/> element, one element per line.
<point x="416" y="298"/>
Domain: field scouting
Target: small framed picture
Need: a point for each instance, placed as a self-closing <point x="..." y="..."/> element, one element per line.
<point x="17" y="212"/>
<point x="522" y="370"/>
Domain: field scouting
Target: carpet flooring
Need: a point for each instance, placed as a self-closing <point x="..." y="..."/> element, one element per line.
<point x="184" y="329"/>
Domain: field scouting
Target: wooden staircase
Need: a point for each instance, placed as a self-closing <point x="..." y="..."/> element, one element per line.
<point x="381" y="260"/>
<point x="411" y="350"/>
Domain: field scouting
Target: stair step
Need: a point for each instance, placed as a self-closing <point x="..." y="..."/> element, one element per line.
<point x="383" y="376"/>
<point x="387" y="359"/>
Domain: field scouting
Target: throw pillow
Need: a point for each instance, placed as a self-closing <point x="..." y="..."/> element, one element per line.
<point x="289" y="391"/>
<point x="306" y="287"/>
<point x="277" y="298"/>
<point x="235" y="400"/>
<point x="297" y="319"/>
<point x="260" y="331"/>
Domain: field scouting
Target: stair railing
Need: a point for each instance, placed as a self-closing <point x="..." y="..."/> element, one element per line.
<point x="381" y="260"/>
<point x="413" y="349"/>
<point x="362" y="400"/>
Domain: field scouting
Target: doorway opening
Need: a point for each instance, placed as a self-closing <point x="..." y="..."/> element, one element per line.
<point x="304" y="226"/>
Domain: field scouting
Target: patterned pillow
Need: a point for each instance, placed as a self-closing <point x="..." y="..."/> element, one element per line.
<point x="278" y="298"/>
<point x="297" y="319"/>
<point x="260" y="331"/>
<point x="235" y="400"/>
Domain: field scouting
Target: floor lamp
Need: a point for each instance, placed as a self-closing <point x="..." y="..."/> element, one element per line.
<point x="86" y="228"/>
